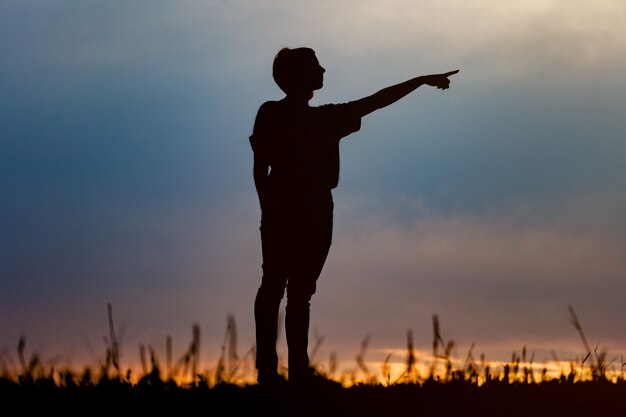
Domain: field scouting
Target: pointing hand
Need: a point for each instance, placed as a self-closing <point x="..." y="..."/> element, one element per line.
<point x="440" y="81"/>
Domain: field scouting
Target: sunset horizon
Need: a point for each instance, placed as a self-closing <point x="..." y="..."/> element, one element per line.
<point x="127" y="178"/>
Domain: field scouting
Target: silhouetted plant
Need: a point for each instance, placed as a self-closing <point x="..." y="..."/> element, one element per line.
<point x="32" y="370"/>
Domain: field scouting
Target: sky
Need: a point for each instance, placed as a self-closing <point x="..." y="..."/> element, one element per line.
<point x="126" y="173"/>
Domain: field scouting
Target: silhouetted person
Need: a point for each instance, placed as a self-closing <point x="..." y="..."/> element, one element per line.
<point x="296" y="165"/>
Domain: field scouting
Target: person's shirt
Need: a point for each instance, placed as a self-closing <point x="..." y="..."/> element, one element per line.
<point x="301" y="145"/>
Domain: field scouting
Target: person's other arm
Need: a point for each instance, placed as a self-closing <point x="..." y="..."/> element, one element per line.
<point x="391" y="94"/>
<point x="261" y="176"/>
<point x="259" y="141"/>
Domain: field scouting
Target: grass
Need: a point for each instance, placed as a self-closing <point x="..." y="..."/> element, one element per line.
<point x="592" y="384"/>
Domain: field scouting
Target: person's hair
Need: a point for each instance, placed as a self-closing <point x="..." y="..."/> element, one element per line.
<point x="287" y="65"/>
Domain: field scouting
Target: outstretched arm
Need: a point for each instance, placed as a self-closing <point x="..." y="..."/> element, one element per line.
<point x="390" y="95"/>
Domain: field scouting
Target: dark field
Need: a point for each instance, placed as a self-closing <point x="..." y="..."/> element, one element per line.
<point x="592" y="385"/>
<point x="114" y="396"/>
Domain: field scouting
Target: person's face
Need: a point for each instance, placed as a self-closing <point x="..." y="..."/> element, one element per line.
<point x="312" y="73"/>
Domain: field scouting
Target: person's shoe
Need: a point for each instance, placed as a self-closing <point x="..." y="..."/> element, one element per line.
<point x="270" y="379"/>
<point x="310" y="378"/>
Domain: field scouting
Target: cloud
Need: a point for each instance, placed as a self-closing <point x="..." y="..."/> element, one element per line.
<point x="514" y="39"/>
<point x="124" y="137"/>
<point x="493" y="279"/>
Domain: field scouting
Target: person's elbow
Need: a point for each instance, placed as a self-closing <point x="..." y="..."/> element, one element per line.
<point x="260" y="171"/>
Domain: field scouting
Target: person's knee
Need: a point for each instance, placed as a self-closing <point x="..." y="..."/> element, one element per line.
<point x="272" y="293"/>
<point x="300" y="296"/>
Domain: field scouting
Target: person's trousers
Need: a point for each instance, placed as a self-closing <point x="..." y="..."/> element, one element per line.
<point x="294" y="248"/>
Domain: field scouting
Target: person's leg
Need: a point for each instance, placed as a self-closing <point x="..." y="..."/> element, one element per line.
<point x="307" y="267"/>
<point x="297" y="329"/>
<point x="267" y="305"/>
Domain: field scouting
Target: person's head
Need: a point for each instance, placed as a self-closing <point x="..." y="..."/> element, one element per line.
<point x="297" y="71"/>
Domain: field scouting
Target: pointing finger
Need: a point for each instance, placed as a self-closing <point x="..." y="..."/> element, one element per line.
<point x="447" y="74"/>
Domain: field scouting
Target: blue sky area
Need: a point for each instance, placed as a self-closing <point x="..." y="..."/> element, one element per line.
<point x="126" y="172"/>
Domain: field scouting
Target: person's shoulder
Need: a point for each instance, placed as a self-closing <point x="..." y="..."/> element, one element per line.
<point x="268" y="110"/>
<point x="328" y="106"/>
<point x="269" y="106"/>
<point x="336" y="106"/>
<point x="266" y="117"/>
<point x="338" y="109"/>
